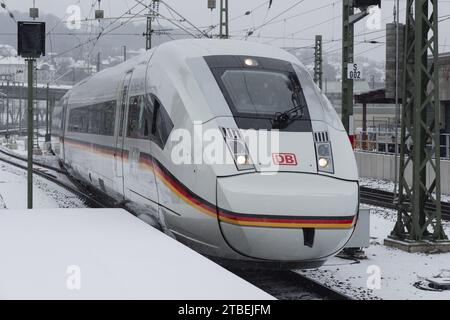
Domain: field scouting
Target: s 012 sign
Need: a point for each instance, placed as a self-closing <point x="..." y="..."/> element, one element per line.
<point x="354" y="72"/>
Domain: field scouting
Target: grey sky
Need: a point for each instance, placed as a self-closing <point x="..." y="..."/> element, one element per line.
<point x="293" y="32"/>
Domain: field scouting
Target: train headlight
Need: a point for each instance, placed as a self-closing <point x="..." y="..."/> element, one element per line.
<point x="238" y="149"/>
<point x="323" y="163"/>
<point x="249" y="62"/>
<point x="324" y="157"/>
<point x="241" y="160"/>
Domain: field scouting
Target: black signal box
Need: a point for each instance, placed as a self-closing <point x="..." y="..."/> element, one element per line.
<point x="31" y="39"/>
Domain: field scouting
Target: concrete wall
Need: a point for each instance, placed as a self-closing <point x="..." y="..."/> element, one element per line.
<point x="382" y="166"/>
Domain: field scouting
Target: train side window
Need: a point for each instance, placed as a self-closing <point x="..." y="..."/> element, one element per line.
<point x="163" y="125"/>
<point x="108" y="117"/>
<point x="133" y="118"/>
<point x="75" y="120"/>
<point x="146" y="118"/>
<point x="96" y="119"/>
<point x="79" y="120"/>
<point x="138" y="118"/>
<point x="123" y="106"/>
<point x="84" y="119"/>
<point x="95" y="115"/>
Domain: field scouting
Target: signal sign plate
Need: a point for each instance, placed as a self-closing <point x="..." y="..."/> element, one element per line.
<point x="354" y="72"/>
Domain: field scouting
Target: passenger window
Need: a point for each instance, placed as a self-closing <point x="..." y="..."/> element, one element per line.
<point x="97" y="119"/>
<point x="94" y="119"/>
<point x="79" y="120"/>
<point x="139" y="118"/>
<point x="163" y="124"/>
<point x="75" y="120"/>
<point x="107" y="124"/>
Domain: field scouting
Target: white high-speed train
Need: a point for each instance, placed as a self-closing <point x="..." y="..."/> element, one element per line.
<point x="119" y="131"/>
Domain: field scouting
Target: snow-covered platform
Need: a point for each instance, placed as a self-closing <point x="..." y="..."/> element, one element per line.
<point x="104" y="254"/>
<point x="387" y="273"/>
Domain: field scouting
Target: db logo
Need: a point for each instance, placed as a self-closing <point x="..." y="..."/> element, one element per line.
<point x="284" y="159"/>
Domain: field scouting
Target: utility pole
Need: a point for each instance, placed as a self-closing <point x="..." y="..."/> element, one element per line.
<point x="318" y="62"/>
<point x="224" y="22"/>
<point x="347" y="57"/>
<point x="148" y="32"/>
<point x="124" y="53"/>
<point x="30" y="132"/>
<point x="31" y="45"/>
<point x="99" y="62"/>
<point x="420" y="132"/>
<point x="47" y="131"/>
<point x="397" y="105"/>
<point x="349" y="18"/>
<point x="7" y="109"/>
<point x="152" y="14"/>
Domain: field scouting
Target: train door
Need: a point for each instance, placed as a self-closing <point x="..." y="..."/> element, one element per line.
<point x="64" y="117"/>
<point x="119" y="153"/>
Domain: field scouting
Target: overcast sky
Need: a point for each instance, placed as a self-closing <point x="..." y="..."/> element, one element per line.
<point x="295" y="28"/>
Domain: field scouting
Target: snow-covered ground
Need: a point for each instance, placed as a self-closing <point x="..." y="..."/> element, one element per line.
<point x="399" y="270"/>
<point x="13" y="183"/>
<point x="13" y="191"/>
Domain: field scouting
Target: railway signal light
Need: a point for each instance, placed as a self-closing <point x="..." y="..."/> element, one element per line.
<point x="30" y="45"/>
<point x="31" y="39"/>
<point x="212" y="4"/>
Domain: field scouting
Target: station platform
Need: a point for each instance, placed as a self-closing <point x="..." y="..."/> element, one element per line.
<point x="105" y="254"/>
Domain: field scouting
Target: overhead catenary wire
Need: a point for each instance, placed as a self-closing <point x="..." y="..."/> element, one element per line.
<point x="193" y="30"/>
<point x="169" y="20"/>
<point x="185" y="19"/>
<point x="278" y="15"/>
<point x="245" y="14"/>
<point x="103" y="33"/>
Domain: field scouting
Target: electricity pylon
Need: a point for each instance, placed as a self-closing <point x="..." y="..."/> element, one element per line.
<point x="420" y="130"/>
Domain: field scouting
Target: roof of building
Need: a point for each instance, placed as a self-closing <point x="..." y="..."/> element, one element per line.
<point x="11" y="60"/>
<point x="330" y="87"/>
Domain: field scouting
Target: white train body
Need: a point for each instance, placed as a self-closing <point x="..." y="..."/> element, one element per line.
<point x="116" y="131"/>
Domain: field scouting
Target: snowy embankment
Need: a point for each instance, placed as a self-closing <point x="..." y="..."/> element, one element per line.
<point x="13" y="191"/>
<point x="401" y="273"/>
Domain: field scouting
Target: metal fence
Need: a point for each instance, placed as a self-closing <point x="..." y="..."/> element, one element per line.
<point x="384" y="142"/>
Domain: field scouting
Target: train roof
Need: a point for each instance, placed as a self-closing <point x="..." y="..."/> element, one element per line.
<point x="191" y="48"/>
<point x="197" y="48"/>
<point x="173" y="52"/>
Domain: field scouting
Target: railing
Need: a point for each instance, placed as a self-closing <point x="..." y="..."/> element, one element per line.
<point x="384" y="142"/>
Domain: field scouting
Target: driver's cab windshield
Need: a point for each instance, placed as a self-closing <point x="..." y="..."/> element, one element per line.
<point x="260" y="91"/>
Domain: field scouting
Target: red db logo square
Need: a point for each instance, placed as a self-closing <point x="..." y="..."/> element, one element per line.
<point x="284" y="159"/>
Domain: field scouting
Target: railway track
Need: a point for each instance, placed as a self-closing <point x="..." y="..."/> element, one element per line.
<point x="53" y="175"/>
<point x="285" y="285"/>
<point x="289" y="285"/>
<point x="385" y="199"/>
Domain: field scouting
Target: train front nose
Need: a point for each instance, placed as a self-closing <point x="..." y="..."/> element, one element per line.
<point x="286" y="216"/>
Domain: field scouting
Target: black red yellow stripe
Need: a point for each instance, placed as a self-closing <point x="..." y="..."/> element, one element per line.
<point x="248" y="220"/>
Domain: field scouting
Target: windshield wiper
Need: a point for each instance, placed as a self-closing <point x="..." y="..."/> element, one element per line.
<point x="283" y="119"/>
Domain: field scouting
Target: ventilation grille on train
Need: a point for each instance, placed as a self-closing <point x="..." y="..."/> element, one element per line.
<point x="233" y="134"/>
<point x="321" y="137"/>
